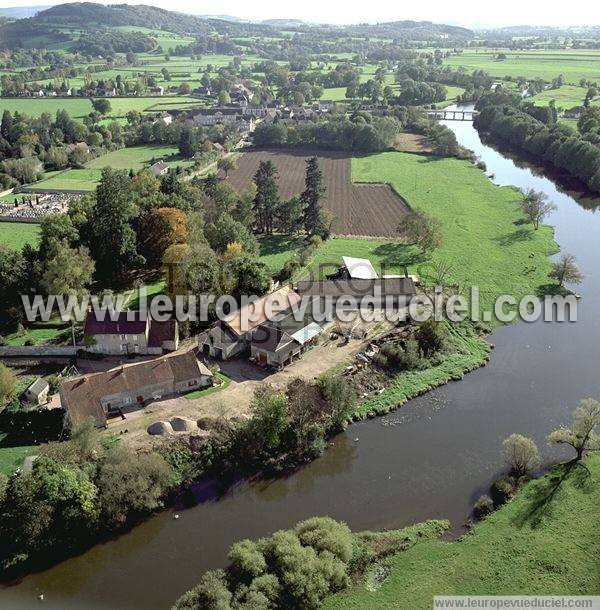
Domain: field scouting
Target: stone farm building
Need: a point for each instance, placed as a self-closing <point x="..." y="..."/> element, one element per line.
<point x="130" y="387"/>
<point x="123" y="336"/>
<point x="276" y="340"/>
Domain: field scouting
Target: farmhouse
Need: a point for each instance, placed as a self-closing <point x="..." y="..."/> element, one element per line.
<point x="159" y="168"/>
<point x="101" y="395"/>
<point x="123" y="336"/>
<point x="228" y="338"/>
<point x="158" y="91"/>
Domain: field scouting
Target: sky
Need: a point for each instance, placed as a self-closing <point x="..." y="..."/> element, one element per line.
<point x="470" y="13"/>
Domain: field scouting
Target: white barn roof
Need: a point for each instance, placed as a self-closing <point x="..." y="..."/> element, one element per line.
<point x="307" y="333"/>
<point x="360" y="268"/>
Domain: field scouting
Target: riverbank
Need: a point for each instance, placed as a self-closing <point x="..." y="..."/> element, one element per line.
<point x="543" y="542"/>
<point x="431" y="460"/>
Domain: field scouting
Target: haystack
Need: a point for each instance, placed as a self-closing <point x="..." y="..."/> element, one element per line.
<point x="183" y="424"/>
<point x="160" y="428"/>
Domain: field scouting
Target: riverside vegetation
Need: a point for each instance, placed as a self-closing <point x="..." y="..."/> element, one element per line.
<point x="537" y="541"/>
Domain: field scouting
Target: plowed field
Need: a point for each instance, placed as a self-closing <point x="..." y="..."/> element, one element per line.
<point x="370" y="210"/>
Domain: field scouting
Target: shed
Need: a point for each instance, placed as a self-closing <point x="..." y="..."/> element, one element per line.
<point x="37" y="392"/>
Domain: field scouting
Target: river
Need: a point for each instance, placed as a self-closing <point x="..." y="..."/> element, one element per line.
<point x="432" y="458"/>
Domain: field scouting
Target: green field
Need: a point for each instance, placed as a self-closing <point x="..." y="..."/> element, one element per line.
<point x="12" y="457"/>
<point x="485" y="240"/>
<point x="565" y="97"/>
<point x="275" y="250"/>
<point x="137" y="157"/>
<point x="573" y="64"/>
<point x="16" y="234"/>
<point x="78" y="107"/>
<point x="40" y="335"/>
<point x="72" y="180"/>
<point x="542" y="543"/>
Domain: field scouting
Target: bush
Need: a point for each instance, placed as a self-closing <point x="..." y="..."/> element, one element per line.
<point x="503" y="490"/>
<point x="325" y="534"/>
<point x="291" y="569"/>
<point x="211" y="593"/>
<point x="484" y="506"/>
<point x="395" y="357"/>
<point x="431" y="337"/>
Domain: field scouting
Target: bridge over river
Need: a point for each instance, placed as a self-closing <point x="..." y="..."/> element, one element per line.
<point x="452" y="115"/>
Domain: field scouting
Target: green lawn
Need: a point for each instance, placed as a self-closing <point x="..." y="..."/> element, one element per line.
<point x="72" y="180"/>
<point x="545" y="542"/>
<point x="225" y="381"/>
<point x="40" y="335"/>
<point x="275" y="250"/>
<point x="16" y="234"/>
<point x="134" y="157"/>
<point x="12" y="457"/>
<point x="137" y="157"/>
<point x="573" y="64"/>
<point x="485" y="239"/>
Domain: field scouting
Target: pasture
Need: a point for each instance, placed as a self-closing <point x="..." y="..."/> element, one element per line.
<point x="16" y="234"/>
<point x="78" y="107"/>
<point x="573" y="64"/>
<point x="138" y="157"/>
<point x="134" y="157"/>
<point x="565" y="97"/>
<point x="485" y="240"/>
<point x="366" y="210"/>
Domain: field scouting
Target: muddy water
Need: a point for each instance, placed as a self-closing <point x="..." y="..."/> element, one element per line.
<point x="433" y="458"/>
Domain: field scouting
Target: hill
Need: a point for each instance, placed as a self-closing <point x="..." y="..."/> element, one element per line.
<point x="414" y="30"/>
<point x="50" y="24"/>
<point x="86" y="14"/>
<point x="22" y="12"/>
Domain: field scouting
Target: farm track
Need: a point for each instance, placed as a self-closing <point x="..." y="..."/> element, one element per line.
<point x="366" y="210"/>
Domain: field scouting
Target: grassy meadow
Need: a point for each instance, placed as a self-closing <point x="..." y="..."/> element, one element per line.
<point x="12" y="457"/>
<point x="541" y="543"/>
<point x="574" y="64"/>
<point x="16" y="234"/>
<point x="486" y="240"/>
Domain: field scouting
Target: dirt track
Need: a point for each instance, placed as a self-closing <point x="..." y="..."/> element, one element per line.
<point x="372" y="210"/>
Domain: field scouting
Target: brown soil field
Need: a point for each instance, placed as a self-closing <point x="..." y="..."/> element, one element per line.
<point x="367" y="210"/>
<point x="412" y="143"/>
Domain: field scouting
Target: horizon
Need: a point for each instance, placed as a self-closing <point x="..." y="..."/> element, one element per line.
<point x="469" y="14"/>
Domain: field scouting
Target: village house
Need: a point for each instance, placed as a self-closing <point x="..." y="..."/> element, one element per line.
<point x="157" y="91"/>
<point x="160" y="168"/>
<point x="37" y="393"/>
<point x="123" y="336"/>
<point x="131" y="387"/>
<point x="203" y="91"/>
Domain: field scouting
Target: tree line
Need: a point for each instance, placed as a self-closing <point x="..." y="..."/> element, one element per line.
<point x="557" y="144"/>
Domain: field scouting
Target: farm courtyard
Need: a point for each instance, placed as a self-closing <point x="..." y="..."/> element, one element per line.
<point x="368" y="210"/>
